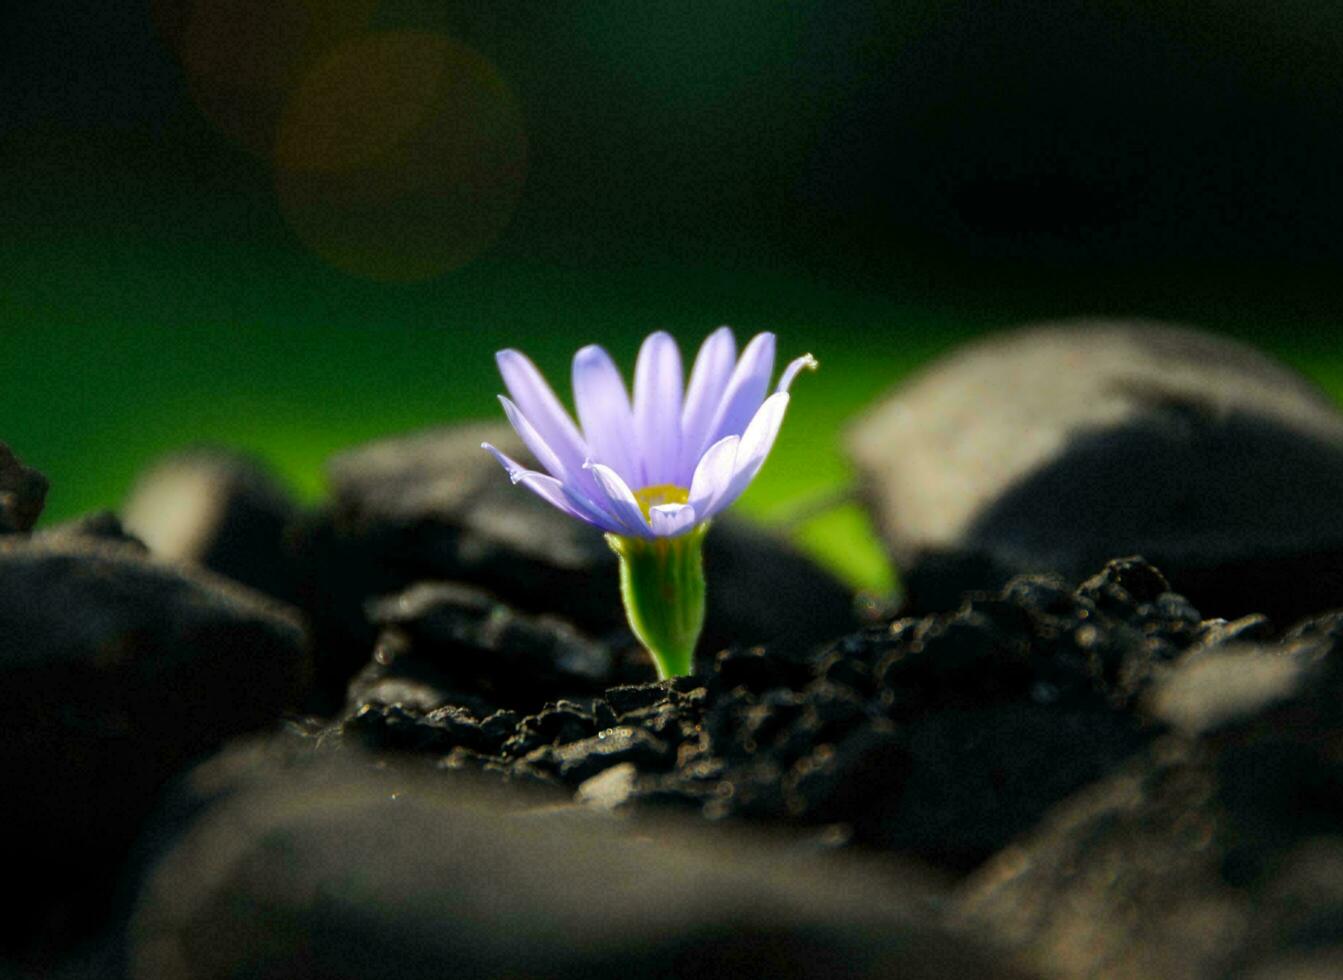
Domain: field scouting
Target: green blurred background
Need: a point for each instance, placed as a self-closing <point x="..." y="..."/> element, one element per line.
<point x="291" y="226"/>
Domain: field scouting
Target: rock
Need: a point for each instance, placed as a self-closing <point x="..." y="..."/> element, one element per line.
<point x="117" y="671"/>
<point x="1218" y="851"/>
<point x="439" y="640"/>
<point x="581" y="760"/>
<point x="940" y="738"/>
<point x="610" y="789"/>
<point x="340" y="870"/>
<point x="1050" y="449"/>
<point x="1219" y="688"/>
<point x="219" y="509"/>
<point x="23" y="491"/>
<point x="101" y="525"/>
<point x="435" y="507"/>
<point x="944" y="737"/>
<point x="761" y="590"/>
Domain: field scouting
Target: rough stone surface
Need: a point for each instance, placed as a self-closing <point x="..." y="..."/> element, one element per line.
<point x="440" y="643"/>
<point x="1217" y="852"/>
<point x="117" y="671"/>
<point x="220" y="509"/>
<point x="940" y="738"/>
<point x="1053" y="448"/>
<point x="23" y="491"/>
<point x="340" y="871"/>
<point x="435" y="507"/>
<point x="101" y="525"/>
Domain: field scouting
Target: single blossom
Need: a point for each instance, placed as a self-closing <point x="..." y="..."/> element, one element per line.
<point x="651" y="473"/>
<point x="666" y="462"/>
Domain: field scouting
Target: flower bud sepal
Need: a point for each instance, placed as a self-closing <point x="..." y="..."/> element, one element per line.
<point x="662" y="584"/>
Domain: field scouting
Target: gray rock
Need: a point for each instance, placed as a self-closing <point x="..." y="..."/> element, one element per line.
<point x="337" y="870"/>
<point x="23" y="491"/>
<point x="1217" y="852"/>
<point x="100" y="525"/>
<point x="434" y="506"/>
<point x="219" y="509"/>
<point x="1051" y="449"/>
<point x="117" y="671"/>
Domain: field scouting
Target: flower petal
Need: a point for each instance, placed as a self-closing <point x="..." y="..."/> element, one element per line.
<point x="533" y="441"/>
<point x="712" y="475"/>
<point x="592" y="512"/>
<point x="604" y="411"/>
<point x="708" y="379"/>
<point x="510" y="465"/>
<point x="756" y="442"/>
<point x="794" y="366"/>
<point x="669" y="520"/>
<point x="547" y="488"/>
<point x="542" y="409"/>
<point x="745" y="390"/>
<point x="657" y="409"/>
<point x="621" y="502"/>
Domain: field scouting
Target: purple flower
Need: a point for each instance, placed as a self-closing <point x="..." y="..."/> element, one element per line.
<point x="670" y="461"/>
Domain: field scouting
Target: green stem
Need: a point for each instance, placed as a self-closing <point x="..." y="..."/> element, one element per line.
<point x="662" y="583"/>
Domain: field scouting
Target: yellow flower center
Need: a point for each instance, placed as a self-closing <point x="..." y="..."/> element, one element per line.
<point x="662" y="493"/>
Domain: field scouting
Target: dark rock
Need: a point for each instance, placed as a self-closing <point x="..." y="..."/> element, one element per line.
<point x="1050" y="449"/>
<point x="102" y="525"/>
<point x="1125" y="582"/>
<point x="220" y="509"/>
<point x="942" y="738"/>
<point x="762" y="590"/>
<point x="561" y="723"/>
<point x="435" y="507"/>
<point x="756" y="668"/>
<point x="633" y="697"/>
<point x="117" y="671"/>
<point x="581" y="760"/>
<point x="340" y="871"/>
<point x="863" y="773"/>
<point x="499" y="726"/>
<point x="1218" y="851"/>
<point x="449" y="638"/>
<point x="393" y="728"/>
<point x="23" y="491"/>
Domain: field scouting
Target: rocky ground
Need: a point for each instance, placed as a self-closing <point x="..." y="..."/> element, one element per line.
<point x="408" y="734"/>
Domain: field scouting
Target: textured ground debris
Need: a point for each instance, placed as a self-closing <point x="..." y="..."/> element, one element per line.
<point x="942" y="737"/>
<point x="1214" y="852"/>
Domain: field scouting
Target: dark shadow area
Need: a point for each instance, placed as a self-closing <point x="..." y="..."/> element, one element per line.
<point x="1171" y="485"/>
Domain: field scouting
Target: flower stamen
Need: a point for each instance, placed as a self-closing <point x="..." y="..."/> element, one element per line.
<point x="658" y="494"/>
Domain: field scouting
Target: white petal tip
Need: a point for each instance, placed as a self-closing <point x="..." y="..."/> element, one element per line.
<point x="514" y="471"/>
<point x="795" y="367"/>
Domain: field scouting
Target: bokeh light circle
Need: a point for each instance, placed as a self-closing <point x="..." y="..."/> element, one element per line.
<point x="401" y="156"/>
<point x="242" y="59"/>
